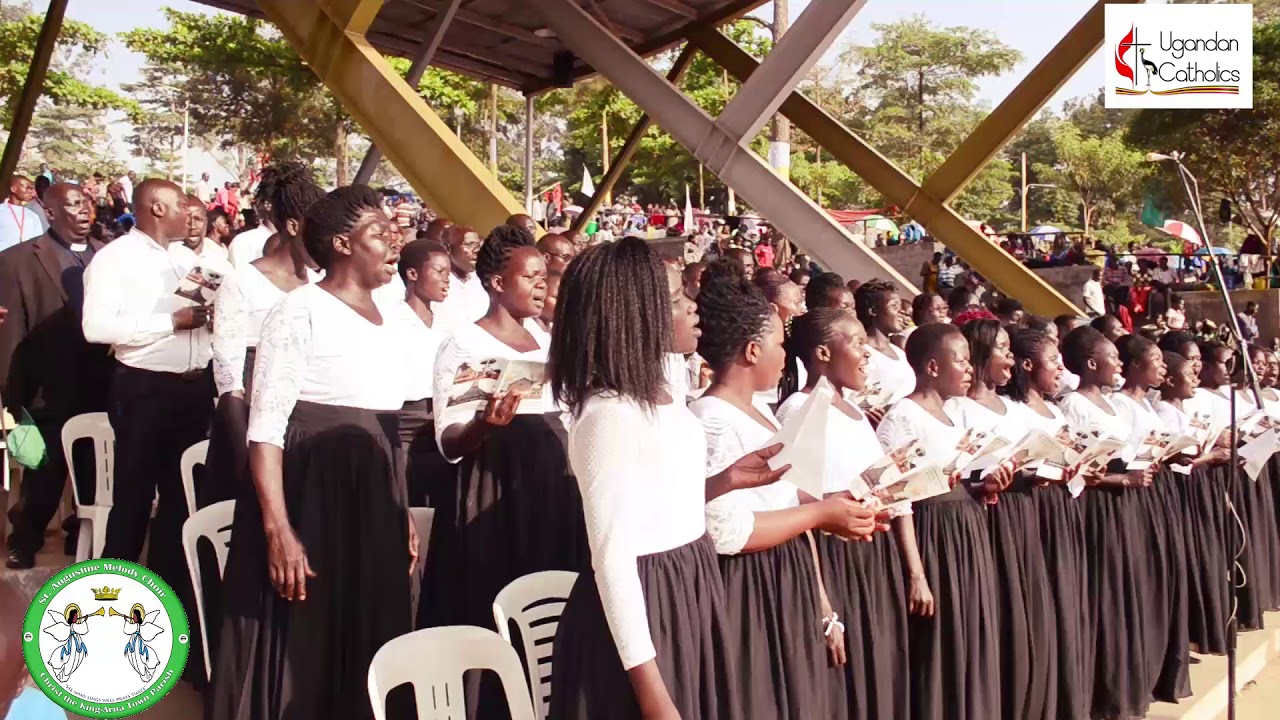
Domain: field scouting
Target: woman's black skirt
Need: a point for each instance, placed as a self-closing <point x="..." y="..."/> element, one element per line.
<point x="1029" y="652"/>
<point x="1270" y="529"/>
<point x="1204" y="502"/>
<point x="1062" y="537"/>
<point x="865" y="585"/>
<point x="517" y="511"/>
<point x="1173" y="681"/>
<point x="1254" y="596"/>
<point x="1119" y="584"/>
<point x="774" y="619"/>
<point x="281" y="660"/>
<point x="431" y="480"/>
<point x="226" y="470"/>
<point x="684" y="598"/>
<point x="955" y="655"/>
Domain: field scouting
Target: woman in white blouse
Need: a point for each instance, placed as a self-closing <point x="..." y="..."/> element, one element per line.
<point x="424" y="268"/>
<point x="879" y="309"/>
<point x="241" y="307"/>
<point x="318" y="577"/>
<point x="643" y="633"/>
<point x="776" y="608"/>
<point x="1208" y="600"/>
<point x="863" y="580"/>
<point x="954" y="626"/>
<point x="1116" y="536"/>
<point x="1143" y="366"/>
<point x="518" y="509"/>
<point x="1037" y="375"/>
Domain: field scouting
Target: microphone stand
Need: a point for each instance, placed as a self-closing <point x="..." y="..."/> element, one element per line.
<point x="1192" y="188"/>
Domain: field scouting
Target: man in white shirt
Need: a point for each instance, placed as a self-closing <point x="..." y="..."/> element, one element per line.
<point x="1095" y="303"/>
<point x="126" y="183"/>
<point x="161" y="396"/>
<point x="467" y="300"/>
<point x="17" y="222"/>
<point x="203" y="189"/>
<point x="210" y="255"/>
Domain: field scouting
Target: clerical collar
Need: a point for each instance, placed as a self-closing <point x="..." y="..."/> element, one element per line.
<point x="74" y="247"/>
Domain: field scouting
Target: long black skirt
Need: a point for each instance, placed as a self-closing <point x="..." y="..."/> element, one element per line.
<point x="774" y="619"/>
<point x="1204" y="500"/>
<point x="1269" y="530"/>
<point x="283" y="660"/>
<point x="684" y="599"/>
<point x="1062" y="537"/>
<point x="1029" y="653"/>
<point x="1118" y="559"/>
<point x="865" y="585"/>
<point x="226" y="469"/>
<point x="955" y="655"/>
<point x="1173" y="681"/>
<point x="431" y="480"/>
<point x="517" y="511"/>
<point x="1255" y="559"/>
<point x="1273" y="489"/>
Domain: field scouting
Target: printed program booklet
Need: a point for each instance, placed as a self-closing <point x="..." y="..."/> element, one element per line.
<point x="478" y="381"/>
<point x="804" y="442"/>
<point x="200" y="285"/>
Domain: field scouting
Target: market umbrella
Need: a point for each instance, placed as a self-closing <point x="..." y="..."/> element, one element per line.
<point x="879" y="224"/>
<point x="1182" y="231"/>
<point x="1044" y="233"/>
<point x="573" y="210"/>
<point x="1216" y="251"/>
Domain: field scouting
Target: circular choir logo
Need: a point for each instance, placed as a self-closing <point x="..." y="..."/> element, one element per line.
<point x="106" y="638"/>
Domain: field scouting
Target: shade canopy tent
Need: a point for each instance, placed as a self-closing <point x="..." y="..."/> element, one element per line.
<point x="508" y="42"/>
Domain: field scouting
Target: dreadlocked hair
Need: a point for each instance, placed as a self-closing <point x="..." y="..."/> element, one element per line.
<point x="808" y="331"/>
<point x="734" y="312"/>
<point x="335" y="214"/>
<point x="1027" y="344"/>
<point x="819" y="287"/>
<point x="870" y="298"/>
<point x="612" y="328"/>
<point x="292" y="191"/>
<point x="982" y="336"/>
<point x="497" y="248"/>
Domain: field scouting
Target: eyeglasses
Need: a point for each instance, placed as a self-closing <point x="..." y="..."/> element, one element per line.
<point x="562" y="257"/>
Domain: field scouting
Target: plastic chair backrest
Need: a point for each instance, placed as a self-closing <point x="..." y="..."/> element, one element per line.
<point x="534" y="603"/>
<point x="214" y="523"/>
<point x="433" y="661"/>
<point x="95" y="426"/>
<point x="191" y="457"/>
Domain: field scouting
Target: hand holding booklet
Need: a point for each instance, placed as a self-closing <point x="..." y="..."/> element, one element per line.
<point x="476" y="382"/>
<point x="914" y="485"/>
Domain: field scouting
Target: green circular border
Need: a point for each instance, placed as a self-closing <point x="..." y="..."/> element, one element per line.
<point x="149" y="697"/>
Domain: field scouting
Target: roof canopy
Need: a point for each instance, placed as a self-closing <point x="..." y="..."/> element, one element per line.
<point x="505" y="41"/>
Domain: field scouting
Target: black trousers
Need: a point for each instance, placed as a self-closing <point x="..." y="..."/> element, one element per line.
<point x="41" y="488"/>
<point x="156" y="417"/>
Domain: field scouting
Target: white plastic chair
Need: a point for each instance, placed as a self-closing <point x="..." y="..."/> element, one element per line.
<point x="535" y="602"/>
<point x="214" y="523"/>
<point x="93" y="518"/>
<point x="433" y="661"/>
<point x="422" y="520"/>
<point x="191" y="457"/>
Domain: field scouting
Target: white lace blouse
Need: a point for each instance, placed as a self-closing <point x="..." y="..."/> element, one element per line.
<point x="643" y="487"/>
<point x="1176" y="419"/>
<point x="315" y="348"/>
<point x="1033" y="419"/>
<point x="891" y="372"/>
<point x="240" y="308"/>
<point x="1010" y="425"/>
<point x="1082" y="414"/>
<point x="466" y="302"/>
<point x="907" y="421"/>
<point x="472" y="342"/>
<point x="1142" y="418"/>
<point x="422" y="344"/>
<point x="851" y="443"/>
<point x="732" y="433"/>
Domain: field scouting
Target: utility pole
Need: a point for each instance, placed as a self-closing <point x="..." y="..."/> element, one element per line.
<point x="702" y="201"/>
<point x="1024" y="192"/>
<point x="780" y="130"/>
<point x="493" y="128"/>
<point x="604" y="151"/>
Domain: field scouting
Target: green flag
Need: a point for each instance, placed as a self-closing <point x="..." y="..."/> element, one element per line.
<point x="1152" y="216"/>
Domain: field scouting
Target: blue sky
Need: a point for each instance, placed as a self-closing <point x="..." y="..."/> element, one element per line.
<point x="1033" y="27"/>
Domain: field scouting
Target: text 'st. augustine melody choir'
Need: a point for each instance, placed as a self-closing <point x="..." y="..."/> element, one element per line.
<point x="987" y="521"/>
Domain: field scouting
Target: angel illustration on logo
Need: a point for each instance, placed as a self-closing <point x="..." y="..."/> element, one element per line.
<point x="69" y="629"/>
<point x="141" y="628"/>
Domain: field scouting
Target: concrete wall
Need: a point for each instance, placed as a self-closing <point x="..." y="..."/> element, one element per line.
<point x="1205" y="305"/>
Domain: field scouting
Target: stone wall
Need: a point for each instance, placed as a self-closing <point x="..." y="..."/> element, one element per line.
<point x="1206" y="305"/>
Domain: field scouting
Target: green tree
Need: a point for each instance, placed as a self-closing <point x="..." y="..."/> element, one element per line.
<point x="64" y="84"/>
<point x="1233" y="153"/>
<point x="1101" y="174"/>
<point x="73" y="140"/>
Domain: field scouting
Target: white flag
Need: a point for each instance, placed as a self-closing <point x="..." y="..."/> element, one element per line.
<point x="688" y="212"/>
<point x="588" y="187"/>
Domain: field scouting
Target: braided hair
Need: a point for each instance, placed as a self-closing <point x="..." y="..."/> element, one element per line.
<point x="871" y="297"/>
<point x="1026" y="344"/>
<point x="820" y="287"/>
<point x="335" y="214"/>
<point x="497" y="248"/>
<point x="292" y="191"/>
<point x="618" y="299"/>
<point x="808" y="331"/>
<point x="733" y="313"/>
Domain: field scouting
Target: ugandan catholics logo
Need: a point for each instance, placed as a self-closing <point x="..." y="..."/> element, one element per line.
<point x="106" y="638"/>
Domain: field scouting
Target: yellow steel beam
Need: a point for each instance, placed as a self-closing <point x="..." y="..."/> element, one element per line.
<point x="421" y="146"/>
<point x="1010" y="275"/>
<point x="1062" y="62"/>
<point x="623" y="159"/>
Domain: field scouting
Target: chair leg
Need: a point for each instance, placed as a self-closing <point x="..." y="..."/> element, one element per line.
<point x="86" y="537"/>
